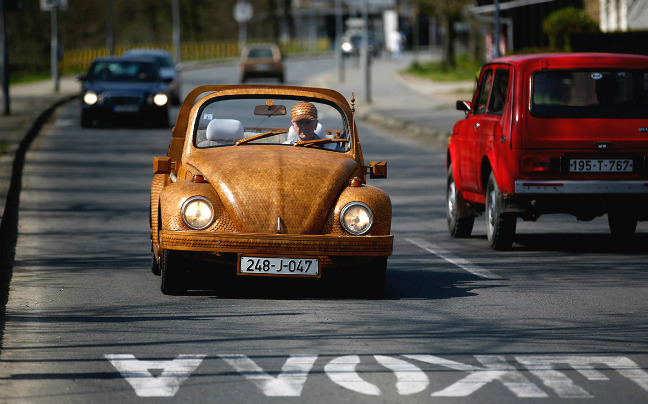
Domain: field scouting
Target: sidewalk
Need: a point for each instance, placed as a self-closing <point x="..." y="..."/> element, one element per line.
<point x="425" y="110"/>
<point x="28" y="103"/>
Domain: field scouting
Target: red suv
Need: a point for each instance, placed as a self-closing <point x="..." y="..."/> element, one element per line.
<point x="551" y="133"/>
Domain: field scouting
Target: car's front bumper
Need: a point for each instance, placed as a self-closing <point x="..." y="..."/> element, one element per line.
<point x="293" y="245"/>
<point x="581" y="187"/>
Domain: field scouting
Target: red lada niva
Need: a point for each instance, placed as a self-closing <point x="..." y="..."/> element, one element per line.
<point x="551" y="133"/>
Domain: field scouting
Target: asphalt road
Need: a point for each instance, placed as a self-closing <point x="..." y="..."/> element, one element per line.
<point x="561" y="318"/>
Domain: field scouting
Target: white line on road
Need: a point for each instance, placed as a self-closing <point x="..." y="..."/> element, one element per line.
<point x="451" y="258"/>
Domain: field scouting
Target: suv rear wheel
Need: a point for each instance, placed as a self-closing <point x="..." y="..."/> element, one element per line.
<point x="500" y="226"/>
<point x="459" y="225"/>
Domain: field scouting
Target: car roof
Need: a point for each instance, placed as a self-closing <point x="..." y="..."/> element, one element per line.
<point x="574" y="59"/>
<point x="147" y="52"/>
<point x="121" y="59"/>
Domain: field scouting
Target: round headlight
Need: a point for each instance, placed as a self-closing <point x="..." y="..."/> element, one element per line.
<point x="356" y="218"/>
<point x="197" y="212"/>
<point x="90" y="98"/>
<point x="160" y="99"/>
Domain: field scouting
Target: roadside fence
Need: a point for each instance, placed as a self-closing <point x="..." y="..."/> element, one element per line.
<point x="80" y="60"/>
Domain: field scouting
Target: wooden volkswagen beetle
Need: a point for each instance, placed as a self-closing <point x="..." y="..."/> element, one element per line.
<point x="269" y="181"/>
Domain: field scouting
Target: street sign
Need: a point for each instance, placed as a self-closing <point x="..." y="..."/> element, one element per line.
<point x="242" y="11"/>
<point x="47" y="5"/>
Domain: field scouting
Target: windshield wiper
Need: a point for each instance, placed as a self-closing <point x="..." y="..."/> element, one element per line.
<point x="260" y="136"/>
<point x="315" y="142"/>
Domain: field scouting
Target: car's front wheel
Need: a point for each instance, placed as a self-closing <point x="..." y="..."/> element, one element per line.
<point x="173" y="273"/>
<point x="500" y="226"/>
<point x="459" y="224"/>
<point x="371" y="278"/>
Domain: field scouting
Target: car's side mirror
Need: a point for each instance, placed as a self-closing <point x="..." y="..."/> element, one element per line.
<point x="162" y="165"/>
<point x="463" y="106"/>
<point x="378" y="169"/>
<point x="81" y="77"/>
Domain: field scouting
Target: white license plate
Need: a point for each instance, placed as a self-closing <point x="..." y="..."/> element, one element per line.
<point x="262" y="67"/>
<point x="126" y="108"/>
<point x="278" y="266"/>
<point x="600" y="165"/>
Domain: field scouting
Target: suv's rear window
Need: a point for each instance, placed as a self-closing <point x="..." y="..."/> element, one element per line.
<point x="590" y="94"/>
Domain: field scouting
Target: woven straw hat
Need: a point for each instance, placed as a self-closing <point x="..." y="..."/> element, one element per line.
<point x="304" y="110"/>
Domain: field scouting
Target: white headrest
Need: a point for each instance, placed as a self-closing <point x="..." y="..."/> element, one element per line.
<point x="224" y="129"/>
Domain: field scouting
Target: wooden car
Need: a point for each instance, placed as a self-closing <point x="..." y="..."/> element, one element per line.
<point x="269" y="181"/>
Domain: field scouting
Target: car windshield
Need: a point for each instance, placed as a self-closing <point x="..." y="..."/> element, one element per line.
<point x="123" y="71"/>
<point x="260" y="53"/>
<point x="590" y="94"/>
<point x="256" y="120"/>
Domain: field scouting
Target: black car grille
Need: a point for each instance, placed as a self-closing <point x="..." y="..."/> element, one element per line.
<point x="124" y="100"/>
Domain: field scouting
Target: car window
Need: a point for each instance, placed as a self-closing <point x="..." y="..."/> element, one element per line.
<point x="499" y="92"/>
<point x="482" y="95"/>
<point x="218" y="123"/>
<point x="590" y="94"/>
<point x="260" y="53"/>
<point x="123" y="71"/>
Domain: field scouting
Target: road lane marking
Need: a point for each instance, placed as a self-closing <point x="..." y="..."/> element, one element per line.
<point x="496" y="369"/>
<point x="342" y="371"/>
<point x="453" y="259"/>
<point x="289" y="383"/>
<point x="410" y="378"/>
<point x="543" y="366"/>
<point x="138" y="373"/>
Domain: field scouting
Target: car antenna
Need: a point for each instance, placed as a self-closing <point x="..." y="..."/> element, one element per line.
<point x="353" y="111"/>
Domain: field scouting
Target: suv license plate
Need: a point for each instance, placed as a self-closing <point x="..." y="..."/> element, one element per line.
<point x="600" y="166"/>
<point x="278" y="266"/>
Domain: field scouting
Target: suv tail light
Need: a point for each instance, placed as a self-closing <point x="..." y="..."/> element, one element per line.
<point x="540" y="164"/>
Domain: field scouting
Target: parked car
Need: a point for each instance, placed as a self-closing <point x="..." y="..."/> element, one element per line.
<point x="123" y="88"/>
<point x="169" y="71"/>
<point x="551" y="133"/>
<point x="244" y="189"/>
<point x="261" y="60"/>
<point x="352" y="44"/>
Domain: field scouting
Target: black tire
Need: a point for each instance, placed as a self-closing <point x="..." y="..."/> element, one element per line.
<point x="500" y="226"/>
<point x="622" y="224"/>
<point x="173" y="273"/>
<point x="162" y="120"/>
<point x="155" y="267"/>
<point x="371" y="278"/>
<point x="86" y="121"/>
<point x="460" y="223"/>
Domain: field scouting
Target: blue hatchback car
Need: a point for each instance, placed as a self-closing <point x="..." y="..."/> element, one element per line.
<point x="124" y="88"/>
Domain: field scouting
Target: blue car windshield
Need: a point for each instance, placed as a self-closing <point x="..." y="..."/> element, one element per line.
<point x="123" y="71"/>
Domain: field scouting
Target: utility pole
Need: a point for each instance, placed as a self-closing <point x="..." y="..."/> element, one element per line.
<point x="110" y="36"/>
<point x="367" y="54"/>
<point x="52" y="6"/>
<point x="176" y="31"/>
<point x="5" y="61"/>
<point x="54" y="52"/>
<point x="496" y="34"/>
<point x="338" y="40"/>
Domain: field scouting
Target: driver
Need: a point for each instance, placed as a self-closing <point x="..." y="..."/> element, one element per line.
<point x="304" y="122"/>
<point x="305" y="126"/>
